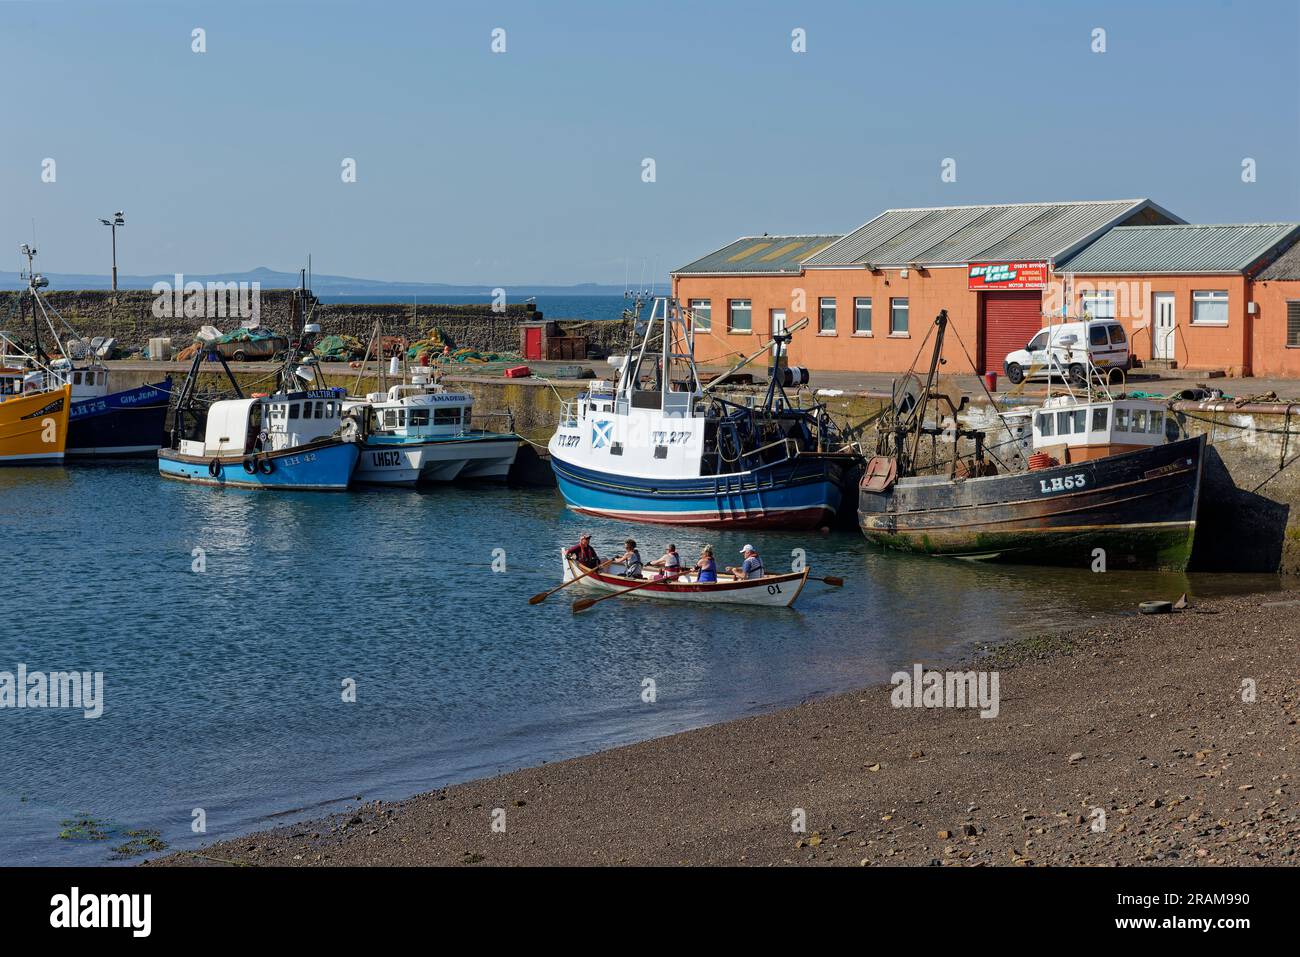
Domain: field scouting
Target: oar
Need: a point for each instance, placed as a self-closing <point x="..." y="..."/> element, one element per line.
<point x="582" y="604"/>
<point x="539" y="598"/>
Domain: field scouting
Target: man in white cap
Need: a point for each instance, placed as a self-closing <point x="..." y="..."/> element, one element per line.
<point x="751" y="567"/>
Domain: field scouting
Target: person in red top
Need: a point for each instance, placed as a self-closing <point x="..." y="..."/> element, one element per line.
<point x="583" y="553"/>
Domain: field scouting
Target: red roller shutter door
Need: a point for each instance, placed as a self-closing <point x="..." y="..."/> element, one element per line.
<point x="1010" y="321"/>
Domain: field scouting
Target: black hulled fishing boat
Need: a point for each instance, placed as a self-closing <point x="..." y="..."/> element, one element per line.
<point x="1104" y="472"/>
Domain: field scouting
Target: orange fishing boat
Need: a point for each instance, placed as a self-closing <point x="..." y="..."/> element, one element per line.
<point x="33" y="420"/>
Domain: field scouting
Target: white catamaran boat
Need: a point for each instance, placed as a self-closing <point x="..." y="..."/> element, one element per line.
<point x="420" y="432"/>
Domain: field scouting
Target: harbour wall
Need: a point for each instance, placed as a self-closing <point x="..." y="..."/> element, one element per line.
<point x="129" y="316"/>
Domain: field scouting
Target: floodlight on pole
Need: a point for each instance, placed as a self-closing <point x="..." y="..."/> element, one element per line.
<point x="118" y="220"/>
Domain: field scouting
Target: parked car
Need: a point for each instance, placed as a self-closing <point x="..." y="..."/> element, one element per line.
<point x="1067" y="353"/>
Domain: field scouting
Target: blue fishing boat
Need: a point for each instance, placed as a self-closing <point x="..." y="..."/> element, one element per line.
<point x="287" y="440"/>
<point x="108" y="424"/>
<point x="658" y="446"/>
<point x="292" y="439"/>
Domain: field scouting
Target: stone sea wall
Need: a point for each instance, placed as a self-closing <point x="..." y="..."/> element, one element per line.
<point x="129" y="316"/>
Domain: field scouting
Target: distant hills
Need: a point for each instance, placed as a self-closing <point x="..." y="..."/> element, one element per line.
<point x="322" y="285"/>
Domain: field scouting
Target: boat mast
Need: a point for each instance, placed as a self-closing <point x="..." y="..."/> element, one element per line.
<point x="936" y="357"/>
<point x="34" y="282"/>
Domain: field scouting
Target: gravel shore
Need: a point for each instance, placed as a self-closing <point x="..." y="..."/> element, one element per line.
<point x="1130" y="743"/>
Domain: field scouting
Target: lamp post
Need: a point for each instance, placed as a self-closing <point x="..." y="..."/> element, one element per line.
<point x="116" y="221"/>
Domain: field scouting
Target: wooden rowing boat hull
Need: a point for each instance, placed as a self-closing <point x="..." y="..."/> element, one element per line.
<point x="773" y="591"/>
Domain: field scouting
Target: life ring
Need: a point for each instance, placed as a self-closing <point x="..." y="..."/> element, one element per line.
<point x="266" y="466"/>
<point x="214" y="467"/>
<point x="250" y="464"/>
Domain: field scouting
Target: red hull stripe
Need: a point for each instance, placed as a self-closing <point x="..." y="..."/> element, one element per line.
<point x="621" y="582"/>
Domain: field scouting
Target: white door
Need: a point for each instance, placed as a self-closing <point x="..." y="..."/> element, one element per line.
<point x="1162" y="335"/>
<point x="777" y="317"/>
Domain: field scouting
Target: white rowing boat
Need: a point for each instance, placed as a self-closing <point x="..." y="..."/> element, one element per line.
<point x="771" y="590"/>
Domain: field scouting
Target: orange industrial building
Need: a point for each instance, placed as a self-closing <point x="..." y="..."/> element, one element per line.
<point x="1194" y="297"/>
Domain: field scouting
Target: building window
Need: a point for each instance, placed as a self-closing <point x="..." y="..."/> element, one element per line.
<point x="740" y="315"/>
<point x="701" y="314"/>
<point x="1293" y="323"/>
<point x="898" y="317"/>
<point x="826" y="316"/>
<point x="1209" y="307"/>
<point x="1099" y="305"/>
<point x="862" y="316"/>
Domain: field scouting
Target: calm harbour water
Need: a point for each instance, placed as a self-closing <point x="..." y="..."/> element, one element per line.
<point x="223" y="688"/>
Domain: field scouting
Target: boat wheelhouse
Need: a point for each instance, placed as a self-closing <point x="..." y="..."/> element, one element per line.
<point x="1075" y="429"/>
<point x="656" y="445"/>
<point x="420" y="432"/>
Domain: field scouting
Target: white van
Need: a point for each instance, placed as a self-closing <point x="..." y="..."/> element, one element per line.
<point x="1071" y="343"/>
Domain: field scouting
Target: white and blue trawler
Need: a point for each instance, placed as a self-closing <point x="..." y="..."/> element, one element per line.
<point x="657" y="446"/>
<point x="297" y="438"/>
<point x="419" y="432"/>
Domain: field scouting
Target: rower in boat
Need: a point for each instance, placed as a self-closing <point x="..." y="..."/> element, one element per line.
<point x="669" y="564"/>
<point x="630" y="560"/>
<point x="751" y="567"/>
<point x="582" y="552"/>
<point x="706" y="569"/>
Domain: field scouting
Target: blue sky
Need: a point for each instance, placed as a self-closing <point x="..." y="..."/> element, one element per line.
<point x="526" y="166"/>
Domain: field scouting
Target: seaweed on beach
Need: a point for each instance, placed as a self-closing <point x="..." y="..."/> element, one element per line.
<point x="87" y="827"/>
<point x="84" y="827"/>
<point x="140" y="842"/>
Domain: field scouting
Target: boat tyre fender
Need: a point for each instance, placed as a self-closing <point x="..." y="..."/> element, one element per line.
<point x="214" y="467"/>
<point x="250" y="464"/>
<point x="266" y="466"/>
<point x="1156" y="607"/>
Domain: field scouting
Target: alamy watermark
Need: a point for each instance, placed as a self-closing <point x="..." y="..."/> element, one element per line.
<point x="213" y="300"/>
<point x="55" y="689"/>
<point x="946" y="689"/>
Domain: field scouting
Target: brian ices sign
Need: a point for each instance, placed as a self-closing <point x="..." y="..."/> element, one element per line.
<point x="1007" y="275"/>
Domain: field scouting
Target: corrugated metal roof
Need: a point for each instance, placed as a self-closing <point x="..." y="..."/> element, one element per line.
<point x="1226" y="248"/>
<point x="962" y="234"/>
<point x="1286" y="266"/>
<point x="758" y="256"/>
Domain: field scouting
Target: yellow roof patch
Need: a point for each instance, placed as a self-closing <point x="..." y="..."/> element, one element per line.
<point x="746" y="253"/>
<point x="782" y="250"/>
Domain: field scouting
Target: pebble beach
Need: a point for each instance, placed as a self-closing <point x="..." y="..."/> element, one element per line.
<point x="1149" y="740"/>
